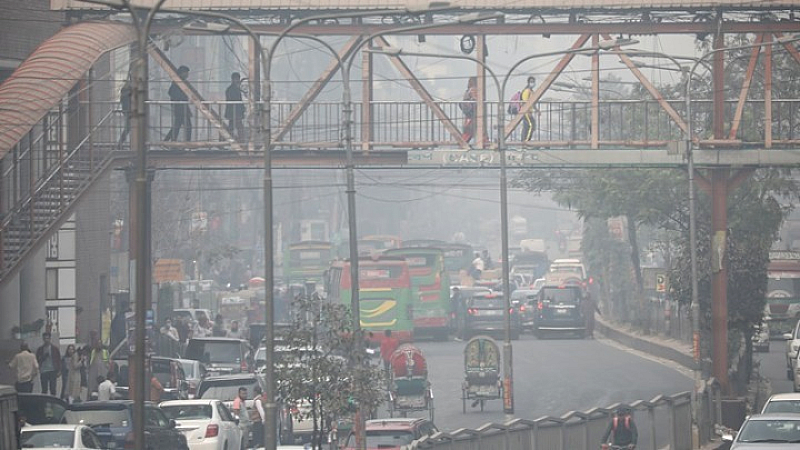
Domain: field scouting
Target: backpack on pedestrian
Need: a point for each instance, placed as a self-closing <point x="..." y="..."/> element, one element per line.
<point x="515" y="104"/>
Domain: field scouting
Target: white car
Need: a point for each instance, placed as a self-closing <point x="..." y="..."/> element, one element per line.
<point x="792" y="345"/>
<point x="207" y="424"/>
<point x="59" y="436"/>
<point x="782" y="403"/>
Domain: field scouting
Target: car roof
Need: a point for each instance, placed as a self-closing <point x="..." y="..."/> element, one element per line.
<point x="238" y="376"/>
<point x="197" y="401"/>
<point x="101" y="405"/>
<point x="774" y="416"/>
<point x="394" y="424"/>
<point x="784" y="397"/>
<point x="217" y="339"/>
<point x="54" y="427"/>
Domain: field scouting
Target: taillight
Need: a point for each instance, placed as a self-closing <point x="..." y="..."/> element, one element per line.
<point x="540" y="305"/>
<point x="471" y="311"/>
<point x="243" y="365"/>
<point x="511" y="310"/>
<point x="522" y="308"/>
<point x="212" y="430"/>
<point x="130" y="442"/>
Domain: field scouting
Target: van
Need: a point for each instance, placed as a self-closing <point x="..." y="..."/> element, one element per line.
<point x="220" y="356"/>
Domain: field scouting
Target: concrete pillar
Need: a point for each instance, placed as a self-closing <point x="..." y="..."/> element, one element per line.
<point x="93" y="257"/>
<point x="32" y="283"/>
<point x="9" y="306"/>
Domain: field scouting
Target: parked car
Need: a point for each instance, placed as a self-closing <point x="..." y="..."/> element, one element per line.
<point x="782" y="403"/>
<point x="194" y="371"/>
<point x="559" y="308"/>
<point x="484" y="312"/>
<point x="524" y="300"/>
<point x="168" y="371"/>
<point x="41" y="409"/>
<point x="768" y="431"/>
<point x="792" y="344"/>
<point x="392" y="434"/>
<point x="220" y="355"/>
<point x="113" y="422"/>
<point x="207" y="424"/>
<point x="59" y="436"/>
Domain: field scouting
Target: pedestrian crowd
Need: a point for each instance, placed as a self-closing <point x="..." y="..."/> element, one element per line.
<point x="81" y="370"/>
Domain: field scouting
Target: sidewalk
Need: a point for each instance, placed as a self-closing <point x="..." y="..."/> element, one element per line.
<point x="655" y="345"/>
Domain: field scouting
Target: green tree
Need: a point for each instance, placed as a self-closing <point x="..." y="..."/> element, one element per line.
<point x="325" y="367"/>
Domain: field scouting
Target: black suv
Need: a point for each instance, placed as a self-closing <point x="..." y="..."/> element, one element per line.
<point x="113" y="422"/>
<point x="559" y="308"/>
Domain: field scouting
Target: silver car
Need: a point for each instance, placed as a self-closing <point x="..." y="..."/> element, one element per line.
<point x="768" y="432"/>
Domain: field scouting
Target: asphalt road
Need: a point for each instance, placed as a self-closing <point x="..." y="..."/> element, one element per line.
<point x="773" y="366"/>
<point x="551" y="377"/>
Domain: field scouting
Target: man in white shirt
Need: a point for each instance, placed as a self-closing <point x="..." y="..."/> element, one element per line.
<point x="258" y="426"/>
<point x="25" y="367"/>
<point x="169" y="330"/>
<point x="477" y="267"/>
<point x="107" y="388"/>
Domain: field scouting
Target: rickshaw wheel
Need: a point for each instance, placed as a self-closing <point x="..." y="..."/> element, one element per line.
<point x="463" y="401"/>
<point x="482" y="402"/>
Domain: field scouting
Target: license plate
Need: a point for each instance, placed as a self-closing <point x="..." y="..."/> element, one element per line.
<point x="561" y="311"/>
<point x="492" y="312"/>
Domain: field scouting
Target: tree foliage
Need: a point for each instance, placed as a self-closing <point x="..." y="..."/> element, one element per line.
<point x="326" y="367"/>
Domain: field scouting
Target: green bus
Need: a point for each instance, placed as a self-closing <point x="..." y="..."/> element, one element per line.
<point x="384" y="294"/>
<point x="430" y="286"/>
<point x="457" y="257"/>
<point x="307" y="261"/>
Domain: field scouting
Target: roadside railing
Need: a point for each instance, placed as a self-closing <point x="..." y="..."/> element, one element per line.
<point x="663" y="422"/>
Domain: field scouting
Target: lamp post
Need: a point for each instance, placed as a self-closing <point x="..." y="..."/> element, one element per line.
<point x="508" y="366"/>
<point x="140" y="208"/>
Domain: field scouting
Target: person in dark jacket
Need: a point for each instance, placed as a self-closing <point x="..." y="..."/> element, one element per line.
<point x="125" y="107"/>
<point x="181" y="116"/>
<point x="621" y="432"/>
<point x="49" y="359"/>
<point x="234" y="109"/>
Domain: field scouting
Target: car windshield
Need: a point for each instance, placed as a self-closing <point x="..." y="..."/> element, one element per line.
<point x="99" y="417"/>
<point x="188" y="369"/>
<point x="384" y="438"/>
<point x="47" y="438"/>
<point x="215" y="352"/>
<point x="225" y="390"/>
<point x="782" y="406"/>
<point x="187" y="412"/>
<point x="772" y="430"/>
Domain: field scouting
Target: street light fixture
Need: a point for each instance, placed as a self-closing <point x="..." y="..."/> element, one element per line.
<point x="508" y="386"/>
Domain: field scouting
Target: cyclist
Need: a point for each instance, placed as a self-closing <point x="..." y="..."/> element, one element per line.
<point x="621" y="432"/>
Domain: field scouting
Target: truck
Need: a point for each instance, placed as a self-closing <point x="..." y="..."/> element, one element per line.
<point x="782" y="309"/>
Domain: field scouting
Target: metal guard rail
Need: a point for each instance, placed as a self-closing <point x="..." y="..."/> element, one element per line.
<point x="667" y="423"/>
